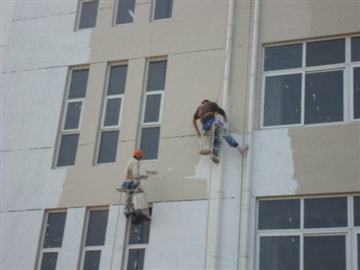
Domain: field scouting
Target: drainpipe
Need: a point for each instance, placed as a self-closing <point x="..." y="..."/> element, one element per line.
<point x="226" y="86"/>
<point x="245" y="220"/>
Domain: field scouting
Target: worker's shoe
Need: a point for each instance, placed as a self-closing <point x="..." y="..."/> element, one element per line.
<point x="121" y="189"/>
<point x="242" y="149"/>
<point x="215" y="159"/>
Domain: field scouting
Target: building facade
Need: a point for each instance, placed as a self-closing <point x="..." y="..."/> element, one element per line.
<point x="84" y="83"/>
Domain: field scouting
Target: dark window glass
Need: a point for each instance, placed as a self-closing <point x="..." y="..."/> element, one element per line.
<point x="325" y="52"/>
<point x="324" y="252"/>
<point x="326" y="212"/>
<point x="108" y="146"/>
<point x="73" y="115"/>
<point x="49" y="260"/>
<point x="283" y="57"/>
<point x="97" y="228"/>
<point x="54" y="230"/>
<point x="125" y="11"/>
<point x="92" y="260"/>
<point x="152" y="108"/>
<point x="150" y="142"/>
<point x="355" y="49"/>
<point x="357" y="93"/>
<point x="117" y="80"/>
<point x="324" y="101"/>
<point x="112" y="112"/>
<point x="139" y="234"/>
<point x="279" y="214"/>
<point x="78" y="83"/>
<point x="282" y="100"/>
<point x="279" y="252"/>
<point x="88" y="14"/>
<point x="68" y="148"/>
<point x="156" y="77"/>
<point x="357" y="211"/>
<point x="136" y="259"/>
<point x="163" y="9"/>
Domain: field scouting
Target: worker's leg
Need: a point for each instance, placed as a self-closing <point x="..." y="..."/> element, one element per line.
<point x="226" y="135"/>
<point x="216" y="143"/>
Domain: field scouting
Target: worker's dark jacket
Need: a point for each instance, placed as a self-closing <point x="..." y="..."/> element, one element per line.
<point x="207" y="111"/>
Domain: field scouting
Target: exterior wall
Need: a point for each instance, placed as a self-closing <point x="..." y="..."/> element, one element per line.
<point x="39" y="45"/>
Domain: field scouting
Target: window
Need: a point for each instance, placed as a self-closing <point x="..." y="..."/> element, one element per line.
<point x="309" y="233"/>
<point x="111" y="116"/>
<point x="70" y="127"/>
<point x="95" y="238"/>
<point x="306" y="83"/>
<point x="53" y="232"/>
<point x="138" y="238"/>
<point x="87" y="13"/>
<point x="163" y="9"/>
<point x="150" y="131"/>
<point x="125" y="11"/>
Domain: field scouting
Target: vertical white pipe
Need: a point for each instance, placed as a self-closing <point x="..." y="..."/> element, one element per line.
<point x="245" y="216"/>
<point x="226" y="86"/>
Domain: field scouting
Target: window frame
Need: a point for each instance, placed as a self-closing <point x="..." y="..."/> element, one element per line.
<point x="79" y="13"/>
<point x="110" y="128"/>
<point x="116" y="9"/>
<point x="154" y="4"/>
<point x="62" y="131"/>
<point x="350" y="231"/>
<point x="347" y="91"/>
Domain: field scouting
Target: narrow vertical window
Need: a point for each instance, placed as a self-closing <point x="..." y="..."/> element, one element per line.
<point x="53" y="233"/>
<point x="95" y="238"/>
<point x="110" y="124"/>
<point x="125" y="11"/>
<point x="70" y="127"/>
<point x="87" y="13"/>
<point x="163" y="9"/>
<point x="150" y="132"/>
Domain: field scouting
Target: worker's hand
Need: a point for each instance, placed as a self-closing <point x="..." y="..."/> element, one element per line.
<point x="144" y="177"/>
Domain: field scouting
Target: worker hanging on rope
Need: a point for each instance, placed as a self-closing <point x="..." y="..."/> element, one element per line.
<point x="206" y="113"/>
<point x="136" y="202"/>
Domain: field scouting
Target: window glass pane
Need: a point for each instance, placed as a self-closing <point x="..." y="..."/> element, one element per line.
<point x="73" y="115"/>
<point x="97" y="228"/>
<point x="117" y="80"/>
<point x="136" y="259"/>
<point x="279" y="214"/>
<point x="78" y="83"/>
<point x="92" y="260"/>
<point x="283" y="57"/>
<point x="163" y="9"/>
<point x="357" y="210"/>
<point x="125" y="11"/>
<point x="324" y="252"/>
<point x="139" y="234"/>
<point x="355" y="49"/>
<point x="156" y="77"/>
<point x="108" y="146"/>
<point x="68" y="148"/>
<point x="279" y="252"/>
<point x="150" y="142"/>
<point x="88" y="14"/>
<point x="282" y="100"/>
<point x="152" y="108"/>
<point x="54" y="230"/>
<point x="357" y="93"/>
<point x="325" y="52"/>
<point x="324" y="100"/>
<point x="49" y="260"/>
<point x="326" y="212"/>
<point x="112" y="112"/>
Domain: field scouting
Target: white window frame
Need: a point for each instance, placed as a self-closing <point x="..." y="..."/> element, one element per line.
<point x="350" y="231"/>
<point x="153" y="9"/>
<point x="116" y="14"/>
<point x="79" y="13"/>
<point x="347" y="66"/>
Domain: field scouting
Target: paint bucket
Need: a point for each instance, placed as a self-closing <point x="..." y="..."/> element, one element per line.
<point x="140" y="201"/>
<point x="205" y="143"/>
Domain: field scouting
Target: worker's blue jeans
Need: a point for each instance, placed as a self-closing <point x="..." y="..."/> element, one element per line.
<point x="220" y="130"/>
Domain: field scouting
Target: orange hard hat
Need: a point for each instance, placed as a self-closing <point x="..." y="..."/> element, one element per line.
<point x="138" y="154"/>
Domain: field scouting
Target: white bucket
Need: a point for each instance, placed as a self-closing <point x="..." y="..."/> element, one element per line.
<point x="205" y="144"/>
<point x="140" y="201"/>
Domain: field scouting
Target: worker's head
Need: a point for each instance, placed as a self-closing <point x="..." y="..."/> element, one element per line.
<point x="138" y="154"/>
<point x="204" y="101"/>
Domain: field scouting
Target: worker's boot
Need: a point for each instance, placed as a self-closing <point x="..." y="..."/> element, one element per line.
<point x="242" y="149"/>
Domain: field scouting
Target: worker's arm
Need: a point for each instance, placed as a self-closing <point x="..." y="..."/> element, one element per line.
<point x="196" y="126"/>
